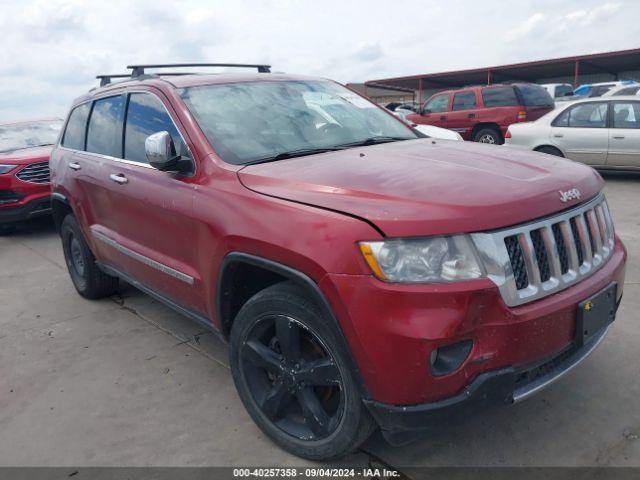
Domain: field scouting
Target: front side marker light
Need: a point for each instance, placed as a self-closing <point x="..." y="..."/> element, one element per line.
<point x="369" y="257"/>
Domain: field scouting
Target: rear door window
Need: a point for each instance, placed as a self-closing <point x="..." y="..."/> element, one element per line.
<point x="147" y="115"/>
<point x="464" y="101"/>
<point x="585" y="115"/>
<point x="499" y="97"/>
<point x="439" y="103"/>
<point x="104" y="134"/>
<point x="534" y="96"/>
<point x="76" y="127"/>
<point x="626" y="115"/>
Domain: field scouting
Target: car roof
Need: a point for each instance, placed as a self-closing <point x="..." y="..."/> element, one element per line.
<point x="192" y="80"/>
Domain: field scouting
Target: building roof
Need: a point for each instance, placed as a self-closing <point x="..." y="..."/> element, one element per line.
<point x="380" y="92"/>
<point x="609" y="62"/>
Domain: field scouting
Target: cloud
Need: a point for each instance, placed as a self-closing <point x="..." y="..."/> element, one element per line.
<point x="368" y="53"/>
<point x="585" y="18"/>
<point x="52" y="49"/>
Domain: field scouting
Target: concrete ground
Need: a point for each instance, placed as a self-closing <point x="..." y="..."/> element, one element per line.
<point x="126" y="381"/>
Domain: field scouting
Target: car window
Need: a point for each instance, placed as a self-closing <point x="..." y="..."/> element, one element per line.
<point x="627" y="91"/>
<point x="585" y="115"/>
<point x="499" y="97"/>
<point x="464" y="101"/>
<point x="439" y="103"/>
<point x="147" y="115"/>
<point x="600" y="90"/>
<point x="28" y="134"/>
<point x="104" y="134"/>
<point x="534" y="95"/>
<point x="626" y="115"/>
<point x="76" y="127"/>
<point x="562" y="90"/>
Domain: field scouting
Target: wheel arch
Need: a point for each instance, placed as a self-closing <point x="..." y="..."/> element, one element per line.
<point x="60" y="208"/>
<point x="548" y="145"/>
<point x="242" y="275"/>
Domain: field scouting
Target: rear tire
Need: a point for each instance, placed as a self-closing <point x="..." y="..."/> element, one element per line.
<point x="87" y="278"/>
<point x="549" y="150"/>
<point x="292" y="377"/>
<point x="488" y="135"/>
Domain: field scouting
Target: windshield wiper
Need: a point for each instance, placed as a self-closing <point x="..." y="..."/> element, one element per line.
<point x="373" y="141"/>
<point x="293" y="154"/>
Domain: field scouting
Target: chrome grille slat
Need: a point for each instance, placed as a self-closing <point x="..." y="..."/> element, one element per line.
<point x="584" y="240"/>
<point x="531" y="261"/>
<point x="570" y="245"/>
<point x="35" y="173"/>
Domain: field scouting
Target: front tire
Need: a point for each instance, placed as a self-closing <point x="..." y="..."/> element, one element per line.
<point x="488" y="135"/>
<point x="87" y="278"/>
<point x="292" y="377"/>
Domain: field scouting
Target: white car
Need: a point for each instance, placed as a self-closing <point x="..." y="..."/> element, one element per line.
<point x="623" y="90"/>
<point x="601" y="132"/>
<point x="437" y="132"/>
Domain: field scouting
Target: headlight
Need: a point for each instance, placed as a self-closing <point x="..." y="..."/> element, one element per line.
<point x="6" y="168"/>
<point x="423" y="260"/>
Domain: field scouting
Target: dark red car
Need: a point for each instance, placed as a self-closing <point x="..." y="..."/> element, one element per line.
<point x="483" y="113"/>
<point x="364" y="275"/>
<point x="25" y="191"/>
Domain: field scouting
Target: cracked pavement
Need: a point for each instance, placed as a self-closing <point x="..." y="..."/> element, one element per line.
<point x="126" y="381"/>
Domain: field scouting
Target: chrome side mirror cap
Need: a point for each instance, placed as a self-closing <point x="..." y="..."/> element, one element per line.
<point x="159" y="149"/>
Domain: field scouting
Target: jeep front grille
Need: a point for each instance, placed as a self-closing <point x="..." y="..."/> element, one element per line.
<point x="35" y="173"/>
<point x="537" y="259"/>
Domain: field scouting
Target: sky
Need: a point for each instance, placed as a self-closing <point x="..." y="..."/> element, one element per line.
<point x="51" y="50"/>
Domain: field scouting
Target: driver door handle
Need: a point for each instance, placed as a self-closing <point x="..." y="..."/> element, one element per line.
<point x="443" y="117"/>
<point x="118" y="178"/>
<point x="619" y="137"/>
<point x="558" y="135"/>
<point x="74" y="166"/>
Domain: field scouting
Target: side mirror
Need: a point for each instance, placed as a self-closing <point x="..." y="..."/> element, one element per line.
<point x="425" y="111"/>
<point x="161" y="153"/>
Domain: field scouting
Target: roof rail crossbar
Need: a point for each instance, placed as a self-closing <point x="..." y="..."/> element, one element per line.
<point x="106" y="79"/>
<point x="138" y="70"/>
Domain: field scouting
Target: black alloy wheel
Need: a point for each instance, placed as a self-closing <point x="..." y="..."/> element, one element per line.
<point x="293" y="378"/>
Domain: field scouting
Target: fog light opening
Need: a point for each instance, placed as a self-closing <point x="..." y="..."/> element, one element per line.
<point x="447" y="359"/>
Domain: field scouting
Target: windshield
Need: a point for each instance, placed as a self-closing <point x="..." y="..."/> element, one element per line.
<point x="255" y="121"/>
<point x="26" y="135"/>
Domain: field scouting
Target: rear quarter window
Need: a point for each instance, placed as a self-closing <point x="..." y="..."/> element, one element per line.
<point x="499" y="97"/>
<point x="76" y="126"/>
<point x="534" y="96"/>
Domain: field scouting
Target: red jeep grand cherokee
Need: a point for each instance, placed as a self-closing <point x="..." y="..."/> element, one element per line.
<point x="483" y="113"/>
<point x="24" y="170"/>
<point x="364" y="275"/>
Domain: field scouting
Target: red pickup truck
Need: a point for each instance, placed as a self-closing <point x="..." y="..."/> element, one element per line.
<point x="364" y="275"/>
<point x="483" y="113"/>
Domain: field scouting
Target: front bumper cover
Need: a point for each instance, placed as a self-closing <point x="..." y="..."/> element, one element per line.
<point x="498" y="387"/>
<point x="32" y="209"/>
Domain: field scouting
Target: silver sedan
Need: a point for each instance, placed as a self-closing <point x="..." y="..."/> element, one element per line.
<point x="601" y="132"/>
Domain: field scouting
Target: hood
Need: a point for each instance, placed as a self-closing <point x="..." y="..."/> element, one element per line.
<point x="25" y="155"/>
<point x="428" y="187"/>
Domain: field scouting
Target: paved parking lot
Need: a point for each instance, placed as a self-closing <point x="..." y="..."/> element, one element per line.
<point x="126" y="381"/>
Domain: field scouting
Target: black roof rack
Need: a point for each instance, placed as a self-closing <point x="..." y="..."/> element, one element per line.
<point x="138" y="70"/>
<point x="106" y="79"/>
